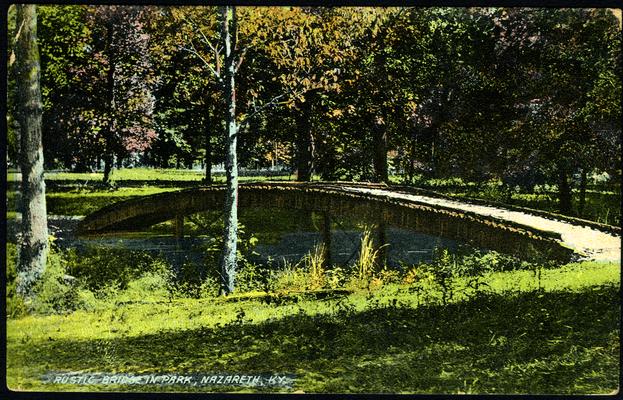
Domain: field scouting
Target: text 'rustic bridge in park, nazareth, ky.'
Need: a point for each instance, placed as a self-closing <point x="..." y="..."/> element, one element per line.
<point x="510" y="230"/>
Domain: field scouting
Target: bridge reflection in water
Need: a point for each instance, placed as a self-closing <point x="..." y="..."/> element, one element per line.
<point x="332" y="200"/>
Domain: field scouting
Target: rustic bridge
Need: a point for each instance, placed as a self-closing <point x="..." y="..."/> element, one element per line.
<point x="485" y="226"/>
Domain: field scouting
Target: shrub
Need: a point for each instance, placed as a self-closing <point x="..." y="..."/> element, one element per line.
<point x="55" y="293"/>
<point x="15" y="306"/>
<point x="290" y="278"/>
<point x="153" y="285"/>
<point x="102" y="268"/>
<point x="335" y="277"/>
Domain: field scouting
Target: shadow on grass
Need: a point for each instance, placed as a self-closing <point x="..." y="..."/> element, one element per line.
<point x="560" y="342"/>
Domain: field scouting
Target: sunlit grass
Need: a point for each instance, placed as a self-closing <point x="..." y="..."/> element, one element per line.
<point x="142" y="174"/>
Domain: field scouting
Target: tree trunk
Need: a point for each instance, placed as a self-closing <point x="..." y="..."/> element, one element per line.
<point x="380" y="153"/>
<point x="208" y="149"/>
<point x="230" y="234"/>
<point x="108" y="162"/>
<point x="582" y="204"/>
<point x="410" y="168"/>
<point x="564" y="191"/>
<point x="33" y="249"/>
<point x="304" y="154"/>
<point x="110" y="128"/>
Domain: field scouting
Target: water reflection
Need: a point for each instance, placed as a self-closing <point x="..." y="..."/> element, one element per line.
<point x="282" y="235"/>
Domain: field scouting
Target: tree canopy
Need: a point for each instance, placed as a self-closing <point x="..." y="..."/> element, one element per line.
<point x="524" y="96"/>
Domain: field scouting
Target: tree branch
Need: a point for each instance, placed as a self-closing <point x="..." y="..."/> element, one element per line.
<point x="241" y="58"/>
<point x="207" y="64"/>
<point x="272" y="102"/>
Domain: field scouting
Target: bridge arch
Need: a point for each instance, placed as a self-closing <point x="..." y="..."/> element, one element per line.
<point x="476" y="229"/>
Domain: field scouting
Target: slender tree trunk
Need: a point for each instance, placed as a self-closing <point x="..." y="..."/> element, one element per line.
<point x="433" y="159"/>
<point x="564" y="191"/>
<point x="230" y="234"/>
<point x="208" y="149"/>
<point x="110" y="129"/>
<point x="304" y="154"/>
<point x="583" y="178"/>
<point x="33" y="249"/>
<point x="108" y="162"/>
<point x="380" y="153"/>
<point x="411" y="162"/>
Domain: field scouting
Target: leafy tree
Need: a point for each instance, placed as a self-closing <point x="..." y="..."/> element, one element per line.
<point x="308" y="48"/>
<point x="188" y="107"/>
<point x="65" y="40"/>
<point x="120" y="81"/>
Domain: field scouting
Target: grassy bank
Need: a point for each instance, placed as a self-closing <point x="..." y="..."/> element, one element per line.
<point x="552" y="333"/>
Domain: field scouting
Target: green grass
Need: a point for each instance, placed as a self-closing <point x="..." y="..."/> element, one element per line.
<point x="86" y="201"/>
<point x="140" y="174"/>
<point x="558" y="334"/>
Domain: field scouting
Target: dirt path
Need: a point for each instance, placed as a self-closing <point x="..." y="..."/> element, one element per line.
<point x="594" y="244"/>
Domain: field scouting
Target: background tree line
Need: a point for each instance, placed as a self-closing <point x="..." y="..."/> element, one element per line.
<point x="525" y="96"/>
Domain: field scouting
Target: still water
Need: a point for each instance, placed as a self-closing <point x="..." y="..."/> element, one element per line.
<point x="277" y="241"/>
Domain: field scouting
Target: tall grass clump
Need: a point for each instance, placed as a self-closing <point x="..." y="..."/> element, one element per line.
<point x="314" y="265"/>
<point x="367" y="260"/>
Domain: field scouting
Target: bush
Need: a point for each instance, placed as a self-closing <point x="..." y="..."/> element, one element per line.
<point x="289" y="278"/>
<point x="15" y="306"/>
<point x="100" y="269"/>
<point x="55" y="293"/>
<point x="153" y="285"/>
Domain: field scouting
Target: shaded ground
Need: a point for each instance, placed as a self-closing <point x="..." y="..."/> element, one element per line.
<point x="536" y="342"/>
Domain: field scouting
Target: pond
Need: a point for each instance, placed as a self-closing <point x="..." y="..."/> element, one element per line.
<point x="279" y="236"/>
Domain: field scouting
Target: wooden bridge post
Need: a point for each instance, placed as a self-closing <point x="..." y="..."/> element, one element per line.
<point x="326" y="238"/>
<point x="380" y="238"/>
<point x="179" y="226"/>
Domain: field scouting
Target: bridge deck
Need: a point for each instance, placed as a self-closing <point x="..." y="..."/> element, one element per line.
<point x="595" y="244"/>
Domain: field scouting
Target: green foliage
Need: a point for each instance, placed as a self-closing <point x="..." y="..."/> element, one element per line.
<point x="290" y="278"/>
<point x="101" y="269"/>
<point x="248" y="275"/>
<point x="56" y="291"/>
<point x="462" y="272"/>
<point x="15" y="306"/>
